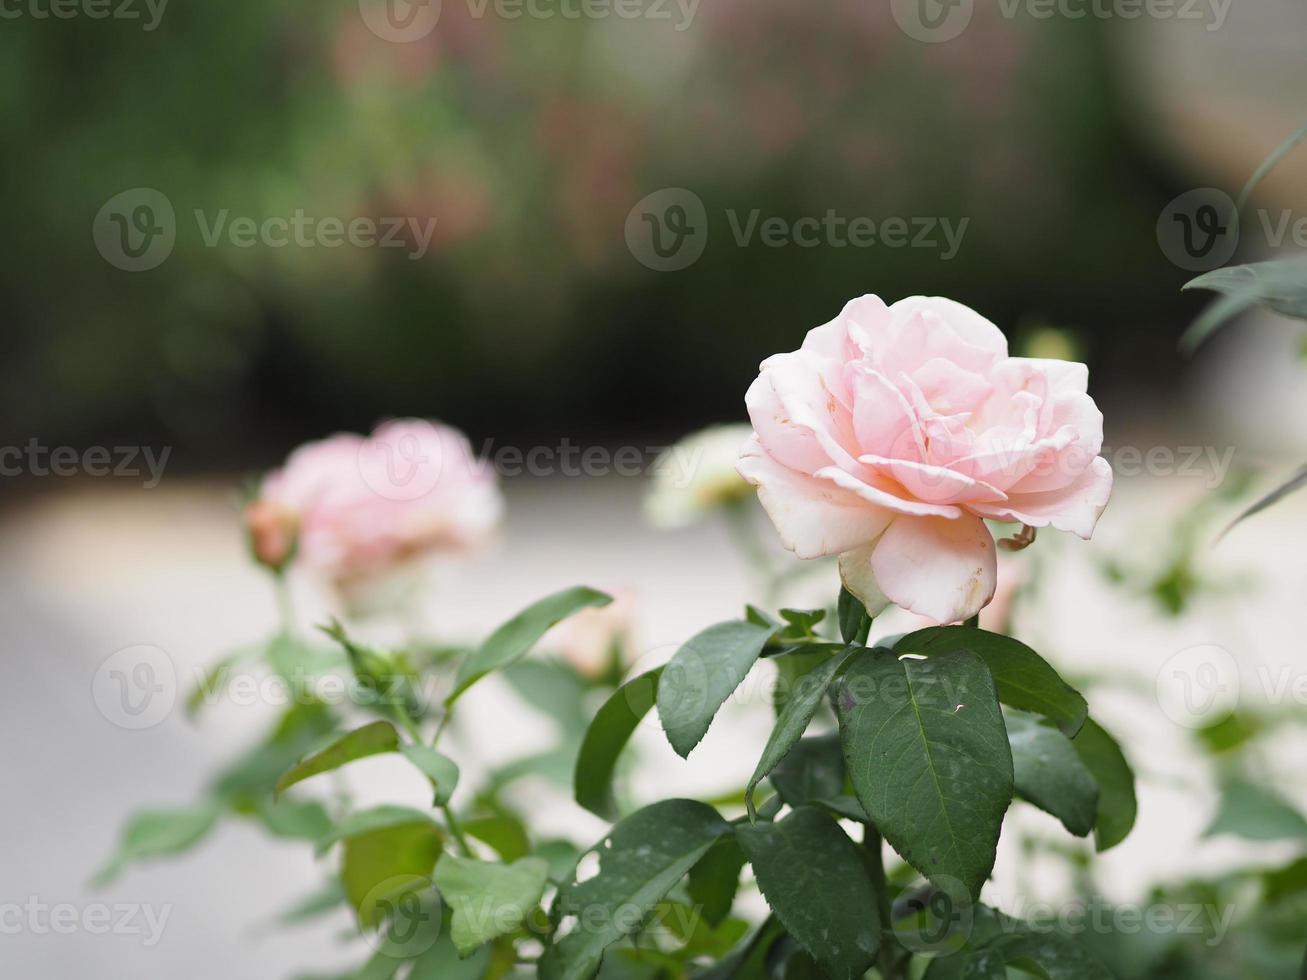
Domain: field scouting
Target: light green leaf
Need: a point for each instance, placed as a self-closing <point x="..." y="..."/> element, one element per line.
<point x="160" y="833"/>
<point x="380" y="868"/>
<point x="605" y="739"/>
<point x="639" y="863"/>
<point x="700" y="677"/>
<point x="1289" y="486"/>
<point x="927" y="752"/>
<point x="295" y="819"/>
<point x="1048" y="772"/>
<point x="366" y="821"/>
<point x="1255" y="813"/>
<point x="815" y="881"/>
<point x="488" y="900"/>
<point x="440" y="769"/>
<point x="504" y="833"/>
<point x="794" y="718"/>
<point x="1024" y="679"/>
<point x="1116" y="784"/>
<point x="442" y="962"/>
<point x="373" y="739"/>
<point x="514" y="639"/>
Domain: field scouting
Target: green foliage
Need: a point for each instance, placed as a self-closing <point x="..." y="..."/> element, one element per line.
<point x="928" y="756"/>
<point x="1256" y="813"/>
<point x="489" y="900"/>
<point x="817" y="886"/>
<point x="702" y="674"/>
<point x="640" y="861"/>
<point x="440" y="769"/>
<point x="379" y="868"/>
<point x="374" y="739"/>
<point x="515" y="638"/>
<point x="1048" y="772"/>
<point x="604" y="740"/>
<point x="1116" y="784"/>
<point x="1024" y="679"/>
<point x="160" y="833"/>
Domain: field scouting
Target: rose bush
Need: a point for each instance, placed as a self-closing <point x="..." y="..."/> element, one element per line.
<point x="894" y="432"/>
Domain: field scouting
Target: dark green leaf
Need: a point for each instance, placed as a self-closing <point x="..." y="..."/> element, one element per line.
<point x="442" y="962"/>
<point x="488" y="900"/>
<point x="794" y="718"/>
<point x="1254" y="813"/>
<point x="1051" y="955"/>
<point x="1048" y="772"/>
<point x="1024" y="679"/>
<point x="1291" y="485"/>
<point x="1116" y="784"/>
<point x="701" y="676"/>
<point x="813" y="770"/>
<point x="927" y="752"/>
<point x="604" y="740"/>
<point x="715" y="880"/>
<point x="380" y="867"/>
<point x="1279" y="285"/>
<point x="516" y="637"/>
<point x="1284" y="882"/>
<point x="160" y="833"/>
<point x="373" y="739"/>
<point x="855" y="623"/>
<point x="803" y="621"/>
<point x="440" y="769"/>
<point x="817" y="885"/>
<point x="639" y="863"/>
<point x="749" y="962"/>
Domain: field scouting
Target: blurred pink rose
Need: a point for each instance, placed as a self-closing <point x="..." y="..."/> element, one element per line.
<point x="596" y="639"/>
<point x="889" y="435"/>
<point x="363" y="506"/>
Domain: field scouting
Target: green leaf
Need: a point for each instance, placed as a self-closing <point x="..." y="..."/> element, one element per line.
<point x="366" y="821"/>
<point x="1048" y="772"/>
<point x="1051" y="955"/>
<point x="815" y="881"/>
<point x="1282" y="883"/>
<point x="440" y="769"/>
<point x="1116" y="784"/>
<point x="855" y="622"/>
<point x="715" y="880"/>
<point x="928" y="756"/>
<point x="515" y="638"/>
<point x="640" y="861"/>
<point x="442" y="962"/>
<point x="215" y="681"/>
<point x="489" y="900"/>
<point x="503" y="832"/>
<point x="380" y="867"/>
<point x="1024" y="679"/>
<point x="700" y="677"/>
<point x="295" y="819"/>
<point x="749" y="961"/>
<point x="555" y="689"/>
<point x="1255" y="813"/>
<point x="803" y="621"/>
<point x="160" y="833"/>
<point x="605" y="739"/>
<point x="1291" y="485"/>
<point x="794" y="719"/>
<point x="1279" y="285"/>
<point x="813" y="770"/>
<point x="373" y="739"/>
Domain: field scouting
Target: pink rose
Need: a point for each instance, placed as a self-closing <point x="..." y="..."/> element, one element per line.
<point x="894" y="431"/>
<point x="363" y="506"/>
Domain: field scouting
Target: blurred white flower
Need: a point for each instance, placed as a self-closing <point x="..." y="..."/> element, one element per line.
<point x="696" y="476"/>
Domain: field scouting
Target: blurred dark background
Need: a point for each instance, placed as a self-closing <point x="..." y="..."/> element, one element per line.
<point x="530" y="140"/>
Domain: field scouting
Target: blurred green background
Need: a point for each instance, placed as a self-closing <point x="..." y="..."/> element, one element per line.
<point x="530" y="141"/>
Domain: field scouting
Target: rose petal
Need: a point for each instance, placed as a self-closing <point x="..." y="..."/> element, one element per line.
<point x="1075" y="508"/>
<point x="881" y="497"/>
<point x="798" y="418"/>
<point x="933" y="484"/>
<point x="858" y="578"/>
<point x="946" y="570"/>
<point x="813" y="517"/>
